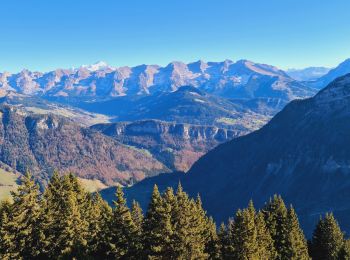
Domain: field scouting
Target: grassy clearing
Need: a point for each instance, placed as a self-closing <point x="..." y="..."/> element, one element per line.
<point x="8" y="183"/>
<point x="80" y="116"/>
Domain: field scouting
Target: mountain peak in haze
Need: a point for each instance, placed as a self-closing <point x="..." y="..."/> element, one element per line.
<point x="342" y="69"/>
<point x="308" y="74"/>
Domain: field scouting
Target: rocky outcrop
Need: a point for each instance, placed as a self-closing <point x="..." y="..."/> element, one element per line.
<point x="176" y="145"/>
<point x="160" y="128"/>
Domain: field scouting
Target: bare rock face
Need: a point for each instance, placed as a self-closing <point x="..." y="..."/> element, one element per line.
<point x="44" y="143"/>
<point x="176" y="145"/>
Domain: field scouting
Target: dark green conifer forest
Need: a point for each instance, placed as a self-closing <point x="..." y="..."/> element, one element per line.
<point x="66" y="222"/>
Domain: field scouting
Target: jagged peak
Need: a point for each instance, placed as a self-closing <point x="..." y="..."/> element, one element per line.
<point x="176" y="64"/>
<point x="198" y="66"/>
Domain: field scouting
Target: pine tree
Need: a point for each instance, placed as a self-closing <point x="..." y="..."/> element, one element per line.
<point x="98" y="240"/>
<point x="327" y="239"/>
<point x="275" y="214"/>
<point x="5" y="236"/>
<point x="204" y="231"/>
<point x="137" y="217"/>
<point x="157" y="228"/>
<point x="69" y="223"/>
<point x="170" y="203"/>
<point x="65" y="228"/>
<point x="266" y="249"/>
<point x="5" y="207"/>
<point x="296" y="242"/>
<point x="344" y="253"/>
<point x="226" y="240"/>
<point x="123" y="229"/>
<point x="188" y="226"/>
<point x="20" y="232"/>
<point x="212" y="245"/>
<point x="245" y="235"/>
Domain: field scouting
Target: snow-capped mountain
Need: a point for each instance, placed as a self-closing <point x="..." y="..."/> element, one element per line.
<point x="241" y="79"/>
<point x="100" y="65"/>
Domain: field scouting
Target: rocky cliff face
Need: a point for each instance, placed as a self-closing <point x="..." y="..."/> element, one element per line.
<point x="44" y="143"/>
<point x="176" y="145"/>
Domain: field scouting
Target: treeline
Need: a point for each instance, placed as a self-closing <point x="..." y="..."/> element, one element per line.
<point x="66" y="222"/>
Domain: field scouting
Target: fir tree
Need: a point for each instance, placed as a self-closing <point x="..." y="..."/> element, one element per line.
<point x="245" y="235"/>
<point x="266" y="249"/>
<point x="204" y="230"/>
<point x="5" y="207"/>
<point x="228" y="244"/>
<point x="344" y="253"/>
<point x="327" y="239"/>
<point x="137" y="217"/>
<point x="123" y="230"/>
<point x="157" y="228"/>
<point x="100" y="219"/>
<point x="275" y="214"/>
<point x="69" y="223"/>
<point x="212" y="245"/>
<point x="65" y="228"/>
<point x="189" y="224"/>
<point x="5" y="235"/>
<point x="296" y="242"/>
<point x="225" y="241"/>
<point x="20" y="231"/>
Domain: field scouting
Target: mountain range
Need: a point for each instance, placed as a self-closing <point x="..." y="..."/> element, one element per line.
<point x="302" y="154"/>
<point x="122" y="125"/>
<point x="308" y="74"/>
<point x="241" y="79"/>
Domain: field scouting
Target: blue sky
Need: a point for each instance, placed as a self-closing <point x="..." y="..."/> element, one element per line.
<point x="43" y="35"/>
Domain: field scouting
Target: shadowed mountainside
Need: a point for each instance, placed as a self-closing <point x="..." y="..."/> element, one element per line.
<point x="302" y="154"/>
